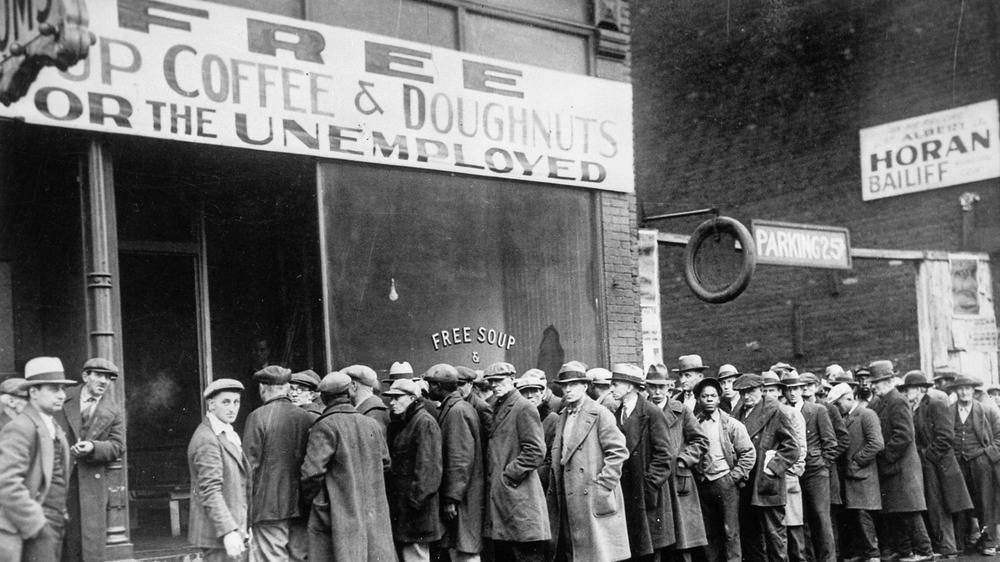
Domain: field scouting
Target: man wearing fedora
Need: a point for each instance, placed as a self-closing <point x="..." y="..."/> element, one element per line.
<point x="728" y="398"/>
<point x="648" y="512"/>
<point x="901" y="530"/>
<point x="944" y="488"/>
<point x="977" y="446"/>
<point x="35" y="468"/>
<point x="92" y="420"/>
<point x="363" y="383"/>
<point x="13" y="399"/>
<point x="587" y="457"/>
<point x="689" y="371"/>
<point x="220" y="477"/>
<point x="658" y="389"/>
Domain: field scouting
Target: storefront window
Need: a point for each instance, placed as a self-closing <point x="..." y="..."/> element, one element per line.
<point x="432" y="268"/>
<point x="542" y="47"/>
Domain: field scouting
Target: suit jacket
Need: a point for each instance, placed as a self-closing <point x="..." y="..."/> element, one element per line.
<point x="220" y="488"/>
<point x="274" y="443"/>
<point x="26" y="463"/>
<point x="985" y="426"/>
<point x="106" y="430"/>
<point x="770" y="430"/>
<point x="934" y="430"/>
<point x="860" y="477"/>
<point x="821" y="440"/>
<point x="899" y="470"/>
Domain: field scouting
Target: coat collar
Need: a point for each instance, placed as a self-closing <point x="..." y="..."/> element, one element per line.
<point x="46" y="447"/>
<point x="448" y="403"/>
<point x="760" y="414"/>
<point x="633" y="426"/>
<point x="503" y="408"/>
<point x="586" y="416"/>
<point x="227" y="445"/>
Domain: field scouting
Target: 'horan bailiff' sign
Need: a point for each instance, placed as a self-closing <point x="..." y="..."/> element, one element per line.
<point x="206" y="73"/>
<point x="801" y="245"/>
<point x="940" y="149"/>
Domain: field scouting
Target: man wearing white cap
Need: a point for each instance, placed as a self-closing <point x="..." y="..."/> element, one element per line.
<point x="600" y="381"/>
<point x="220" y="477"/>
<point x="34" y="468"/>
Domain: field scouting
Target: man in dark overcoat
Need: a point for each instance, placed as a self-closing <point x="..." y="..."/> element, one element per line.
<point x="517" y="517"/>
<point x="859" y="476"/>
<point x="220" y="478"/>
<point x="92" y="420"/>
<point x="648" y="511"/>
<point x="274" y="442"/>
<point x="688" y="443"/>
<point x="944" y="487"/>
<point x="810" y="393"/>
<point x="466" y="379"/>
<point x="343" y="481"/>
<point x="762" y="501"/>
<point x="363" y="383"/>
<point x="416" y="473"/>
<point x="977" y="446"/>
<point x="901" y="529"/>
<point x="462" y="484"/>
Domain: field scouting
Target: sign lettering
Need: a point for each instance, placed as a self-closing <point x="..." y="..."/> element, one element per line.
<point x="801" y="245"/>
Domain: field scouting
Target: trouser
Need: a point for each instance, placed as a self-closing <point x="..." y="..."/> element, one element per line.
<point x="415" y="551"/>
<point x="46" y="546"/>
<point x="836" y="512"/>
<point x="762" y="533"/>
<point x="978" y="475"/>
<point x="940" y="527"/>
<point x="815" y="484"/>
<point x="903" y="534"/>
<point x="859" y="538"/>
<point x="797" y="549"/>
<point x="276" y="541"/>
<point x="533" y="551"/>
<point x="720" y="509"/>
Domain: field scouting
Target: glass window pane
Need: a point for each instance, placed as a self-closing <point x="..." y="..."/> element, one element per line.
<point x="424" y="23"/>
<point x="526" y="44"/>
<point x="474" y="262"/>
<point x="574" y="10"/>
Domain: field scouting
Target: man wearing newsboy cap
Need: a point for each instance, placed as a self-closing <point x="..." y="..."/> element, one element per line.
<point x="34" y="468"/>
<point x="13" y="399"/>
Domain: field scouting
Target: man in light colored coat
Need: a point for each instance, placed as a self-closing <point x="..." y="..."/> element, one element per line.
<point x="587" y="456"/>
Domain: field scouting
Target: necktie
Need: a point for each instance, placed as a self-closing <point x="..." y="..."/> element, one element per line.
<point x="88" y="408"/>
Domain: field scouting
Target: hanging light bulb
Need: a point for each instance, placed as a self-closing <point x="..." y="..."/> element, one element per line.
<point x="393" y="295"/>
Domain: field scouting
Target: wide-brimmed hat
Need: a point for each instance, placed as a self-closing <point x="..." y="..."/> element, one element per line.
<point x="838" y="391"/>
<point x="400" y="370"/>
<point x="308" y="378"/>
<point x="101" y="365"/>
<point x="574" y="371"/>
<point x="915" y="378"/>
<point x="657" y="374"/>
<point x="403" y="387"/>
<point x="770" y="378"/>
<point x="220" y="385"/>
<point x="944" y="374"/>
<point x="14" y="386"/>
<point x="687" y="363"/>
<point x="791" y="379"/>
<point x="963" y="380"/>
<point x="626" y="372"/>
<point x="844" y="377"/>
<point x="714" y="383"/>
<point x="882" y="370"/>
<point x="727" y="371"/>
<point x="45" y="370"/>
<point x="748" y="381"/>
<point x="599" y="375"/>
<point x="499" y="370"/>
<point x="809" y="378"/>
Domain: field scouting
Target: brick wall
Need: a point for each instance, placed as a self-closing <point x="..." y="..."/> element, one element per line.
<point x="621" y="273"/>
<point x="755" y="107"/>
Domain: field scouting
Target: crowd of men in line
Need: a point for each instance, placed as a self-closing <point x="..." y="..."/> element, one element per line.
<point x="457" y="464"/>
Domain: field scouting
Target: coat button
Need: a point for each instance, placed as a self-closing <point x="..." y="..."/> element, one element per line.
<point x="585" y="492"/>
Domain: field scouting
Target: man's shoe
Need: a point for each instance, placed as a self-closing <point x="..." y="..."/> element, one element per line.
<point x="988" y="551"/>
<point x="917" y="558"/>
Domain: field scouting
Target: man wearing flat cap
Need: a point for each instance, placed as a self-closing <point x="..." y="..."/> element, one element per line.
<point x="35" y="468"/>
<point x="517" y="518"/>
<point x="901" y="530"/>
<point x="463" y="475"/>
<point x="466" y="387"/>
<point x="343" y="480"/>
<point x="303" y="390"/>
<point x="762" y="500"/>
<point x="977" y="446"/>
<point x="92" y="420"/>
<point x="13" y="399"/>
<point x="220" y="478"/>
<point x="587" y="456"/>
<point x="274" y="442"/>
<point x="944" y="488"/>
<point x="690" y="370"/>
<point x="648" y="510"/>
<point x="533" y="389"/>
<point x="363" y="382"/>
<point x="415" y="476"/>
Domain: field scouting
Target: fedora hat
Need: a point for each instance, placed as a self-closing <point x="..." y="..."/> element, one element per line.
<point x="915" y="378"/>
<point x="727" y="371"/>
<point x="781" y="366"/>
<point x="45" y="370"/>
<point x="626" y="372"/>
<point x="963" y="380"/>
<point x="944" y="374"/>
<point x="791" y="379"/>
<point x="400" y="370"/>
<point x="770" y="378"/>
<point x="599" y="375"/>
<point x="832" y="371"/>
<point x="574" y="371"/>
<point x="657" y="374"/>
<point x="809" y="378"/>
<point x="687" y="363"/>
<point x="882" y="370"/>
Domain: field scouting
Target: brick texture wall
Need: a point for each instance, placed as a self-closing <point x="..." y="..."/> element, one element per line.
<point x="621" y="274"/>
<point x="755" y="107"/>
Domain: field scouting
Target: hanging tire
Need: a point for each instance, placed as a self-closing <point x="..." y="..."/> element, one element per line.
<point x="749" y="262"/>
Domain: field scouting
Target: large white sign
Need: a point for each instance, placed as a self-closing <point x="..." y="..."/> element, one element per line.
<point x="207" y="73"/>
<point x="952" y="147"/>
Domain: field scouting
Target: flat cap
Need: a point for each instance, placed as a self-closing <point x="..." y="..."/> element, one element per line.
<point x="363" y="374"/>
<point x="334" y="383"/>
<point x="273" y="374"/>
<point x="527" y="381"/>
<point x="574" y="371"/>
<point x="499" y="369"/>
<point x="537" y="373"/>
<point x="748" y="381"/>
<point x="14" y="387"/>
<point x="838" y="391"/>
<point x="101" y="365"/>
<point x="307" y="378"/>
<point x="442" y="372"/>
<point x="465" y="374"/>
<point x="599" y="375"/>
<point x="944" y="373"/>
<point x="220" y="385"/>
<point x="403" y="387"/>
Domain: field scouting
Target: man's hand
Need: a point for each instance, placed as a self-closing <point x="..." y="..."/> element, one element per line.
<point x="450" y="510"/>
<point x="234" y="544"/>
<point x="82" y="448"/>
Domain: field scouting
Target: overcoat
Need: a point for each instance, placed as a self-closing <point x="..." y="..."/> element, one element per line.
<point x="312" y="409"/>
<point x="689" y="443"/>
<point x="415" y="477"/>
<point x="344" y="471"/>
<point x="587" y="483"/>
<point x="860" y="481"/>
<point x="648" y="509"/>
<point x="4" y="418"/>
<point x="515" y="505"/>
<point x="220" y="488"/>
<point x="463" y="477"/>
<point x="934" y="429"/>
<point x="26" y="464"/>
<point x="375" y="408"/>
<point x="843" y="440"/>
<point x="106" y="431"/>
<point x="899" y="471"/>
<point x="549" y="418"/>
<point x="794" y="515"/>
<point x="770" y="430"/>
<point x="274" y="442"/>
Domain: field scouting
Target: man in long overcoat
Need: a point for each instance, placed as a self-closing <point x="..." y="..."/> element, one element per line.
<point x="466" y="379"/>
<point x="462" y="483"/>
<point x="363" y="382"/>
<point x="762" y="501"/>
<point x="901" y="529"/>
<point x="517" y="518"/>
<point x="688" y="443"/>
<point x="944" y="487"/>
<point x="809" y="394"/>
<point x="220" y="477"/>
<point x="587" y="457"/>
<point x="977" y="446"/>
<point x="343" y="479"/>
<point x="274" y="442"/>
<point x="648" y="509"/>
<point x="92" y="420"/>
<point x="859" y="475"/>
